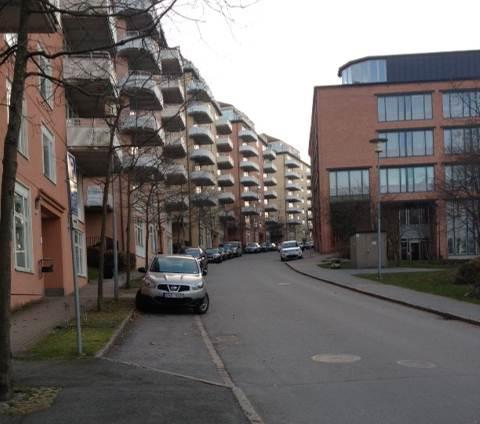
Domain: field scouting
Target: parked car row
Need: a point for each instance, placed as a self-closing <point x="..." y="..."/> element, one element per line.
<point x="257" y="247"/>
<point x="224" y="251"/>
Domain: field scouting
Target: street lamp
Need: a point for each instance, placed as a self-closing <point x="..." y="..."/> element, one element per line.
<point x="379" y="149"/>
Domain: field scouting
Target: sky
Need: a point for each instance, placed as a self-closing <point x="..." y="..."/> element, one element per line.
<point x="268" y="57"/>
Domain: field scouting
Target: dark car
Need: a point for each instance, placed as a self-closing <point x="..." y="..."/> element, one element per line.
<point x="270" y="246"/>
<point x="199" y="254"/>
<point x="222" y="251"/>
<point x="228" y="251"/>
<point x="214" y="255"/>
<point x="252" y="248"/>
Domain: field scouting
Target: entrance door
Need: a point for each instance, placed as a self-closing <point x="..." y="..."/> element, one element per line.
<point x="415" y="250"/>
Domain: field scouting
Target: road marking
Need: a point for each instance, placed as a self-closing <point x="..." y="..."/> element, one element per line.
<point x="283" y="284"/>
<point x="242" y="399"/>
<point x="330" y="358"/>
<point x="412" y="363"/>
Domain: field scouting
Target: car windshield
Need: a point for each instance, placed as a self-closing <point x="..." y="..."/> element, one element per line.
<point x="227" y="246"/>
<point x="193" y="252"/>
<point x="289" y="244"/>
<point x="213" y="250"/>
<point x="174" y="265"/>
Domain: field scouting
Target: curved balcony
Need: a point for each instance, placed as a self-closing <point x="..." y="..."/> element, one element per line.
<point x="176" y="175"/>
<point x="203" y="178"/>
<point x="176" y="203"/>
<point x="225" y="180"/>
<point x="199" y="90"/>
<point x="172" y="90"/>
<point x="249" y="196"/>
<point x="226" y="198"/>
<point x="269" y="154"/>
<point x="171" y="59"/>
<point x="270" y="182"/>
<point x="294" y="221"/>
<point x="292" y="163"/>
<point x="249" y="166"/>
<point x="224" y="126"/>
<point x="294" y="211"/>
<point x="175" y="147"/>
<point x="226" y="215"/>
<point x="292" y="175"/>
<point x="271" y="207"/>
<point x="247" y="135"/>
<point x="201" y="112"/>
<point x="248" y="151"/>
<point x="224" y="162"/>
<point x="224" y="144"/>
<point x="143" y="90"/>
<point x="40" y="21"/>
<point x="269" y="168"/>
<point x="203" y="157"/>
<point x="140" y="13"/>
<point x="140" y="50"/>
<point x="250" y="211"/>
<point x="291" y="198"/>
<point x="173" y="118"/>
<point x="293" y="187"/>
<point x="249" y="181"/>
<point x="204" y="199"/>
<point x="270" y="195"/>
<point x="143" y="128"/>
<point x="201" y="135"/>
<point x="271" y="220"/>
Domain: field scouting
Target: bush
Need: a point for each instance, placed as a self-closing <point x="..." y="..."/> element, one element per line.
<point x="93" y="256"/>
<point x="469" y="273"/>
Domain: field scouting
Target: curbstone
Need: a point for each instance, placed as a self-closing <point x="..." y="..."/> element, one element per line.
<point x="116" y="334"/>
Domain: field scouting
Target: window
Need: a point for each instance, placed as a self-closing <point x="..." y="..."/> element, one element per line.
<point x="79" y="252"/>
<point x="461" y="104"/>
<point x="365" y="72"/>
<point x="22" y="229"/>
<point x="48" y="154"/>
<point x="405" y="107"/>
<point x="139" y="236"/>
<point x="462" y="233"/>
<point x="349" y="183"/>
<point x="22" y="137"/>
<point x="407" y="143"/>
<point x="461" y="140"/>
<point x="407" y="179"/>
<point x="463" y="177"/>
<point x="45" y="83"/>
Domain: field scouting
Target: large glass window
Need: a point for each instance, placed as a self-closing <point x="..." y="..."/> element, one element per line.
<point x="407" y="143"/>
<point x="461" y="104"/>
<point x="461" y="140"/>
<point x="463" y="177"/>
<point x="404" y="107"/>
<point x="462" y="233"/>
<point x="346" y="183"/>
<point x="79" y="252"/>
<point x="22" y="229"/>
<point x="407" y="179"/>
<point x="48" y="154"/>
<point x="365" y="72"/>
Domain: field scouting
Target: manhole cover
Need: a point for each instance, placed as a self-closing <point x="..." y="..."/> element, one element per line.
<point x="411" y="363"/>
<point x="336" y="359"/>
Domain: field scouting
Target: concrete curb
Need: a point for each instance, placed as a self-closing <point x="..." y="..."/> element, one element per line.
<point x="443" y="314"/>
<point x="116" y="334"/>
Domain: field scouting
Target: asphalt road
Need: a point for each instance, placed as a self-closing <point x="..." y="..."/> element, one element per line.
<point x="399" y="366"/>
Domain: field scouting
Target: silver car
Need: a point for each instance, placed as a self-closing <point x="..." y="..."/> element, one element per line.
<point x="290" y="250"/>
<point x="173" y="281"/>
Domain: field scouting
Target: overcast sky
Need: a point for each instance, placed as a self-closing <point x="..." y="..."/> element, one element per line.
<point x="267" y="62"/>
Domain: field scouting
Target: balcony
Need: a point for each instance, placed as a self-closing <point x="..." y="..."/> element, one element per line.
<point x="249" y="196"/>
<point x="294" y="221"/>
<point x="143" y="90"/>
<point x="139" y="13"/>
<point x="271" y="207"/>
<point x="293" y="187"/>
<point x="291" y="198"/>
<point x="250" y="211"/>
<point x="226" y="198"/>
<point x="175" y="147"/>
<point x="270" y="181"/>
<point x="204" y="199"/>
<point x="226" y="215"/>
<point x="269" y="154"/>
<point x="224" y="126"/>
<point x="247" y="135"/>
<point x="249" y="181"/>
<point x="269" y="168"/>
<point x="176" y="175"/>
<point x="292" y="163"/>
<point x="294" y="211"/>
<point x="224" y="162"/>
<point x="89" y="140"/>
<point x="224" y="144"/>
<point x="90" y="81"/>
<point x="41" y="22"/>
<point x="94" y="198"/>
<point x="143" y="128"/>
<point x="270" y="195"/>
<point x="176" y="203"/>
<point x="248" y="151"/>
<point x="292" y="175"/>
<point x="271" y="220"/>
<point x="203" y="157"/>
<point x="199" y="90"/>
<point x="141" y="51"/>
<point x="201" y="113"/>
<point x="144" y="165"/>
<point x="172" y="62"/>
<point x="201" y="135"/>
<point x="225" y="180"/>
<point x="203" y="178"/>
<point x="172" y="90"/>
<point x="249" y="166"/>
<point x="173" y="118"/>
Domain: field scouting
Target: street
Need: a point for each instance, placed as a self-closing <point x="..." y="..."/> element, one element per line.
<point x="306" y="352"/>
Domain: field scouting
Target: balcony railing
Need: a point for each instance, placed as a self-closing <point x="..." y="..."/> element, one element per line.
<point x="201" y="135"/>
<point x="175" y="147"/>
<point x="294" y="210"/>
<point x="199" y="90"/>
<point x="225" y="180"/>
<point x="250" y="211"/>
<point x="95" y="67"/>
<point x="172" y="62"/>
<point x="270" y="181"/>
<point x="94" y="198"/>
<point x="224" y="126"/>
<point x="269" y="168"/>
<point x="293" y="187"/>
<point x="292" y="163"/>
<point x="293" y="199"/>
<point x="249" y="196"/>
<point x="226" y="215"/>
<point x="269" y="154"/>
<point x="270" y="195"/>
<point x="247" y="135"/>
<point x="204" y="199"/>
<point x="143" y="89"/>
<point x="143" y="127"/>
<point x="176" y="175"/>
<point x="224" y="144"/>
<point x="292" y="175"/>
<point x="202" y="113"/>
<point x="172" y="90"/>
<point x="203" y="157"/>
<point x="249" y="181"/>
<point x="176" y="203"/>
<point x="226" y="198"/>
<point x="248" y="165"/>
<point x="224" y="162"/>
<point x="248" y="151"/>
<point x="143" y="50"/>
<point x="173" y="118"/>
<point x="203" y="178"/>
<point x="271" y="207"/>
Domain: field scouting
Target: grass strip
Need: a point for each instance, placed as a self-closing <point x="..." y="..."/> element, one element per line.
<point x="97" y="328"/>
<point x="433" y="282"/>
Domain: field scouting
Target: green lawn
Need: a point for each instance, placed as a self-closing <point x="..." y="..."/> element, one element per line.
<point x="434" y="282"/>
<point x="97" y="329"/>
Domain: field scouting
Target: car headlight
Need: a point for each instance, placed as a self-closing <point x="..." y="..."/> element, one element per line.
<point x="148" y="283"/>
<point x="198" y="285"/>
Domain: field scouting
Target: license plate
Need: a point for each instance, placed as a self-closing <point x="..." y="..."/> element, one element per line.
<point x="172" y="295"/>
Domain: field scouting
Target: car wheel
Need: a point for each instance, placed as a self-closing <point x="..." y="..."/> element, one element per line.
<point x="203" y="307"/>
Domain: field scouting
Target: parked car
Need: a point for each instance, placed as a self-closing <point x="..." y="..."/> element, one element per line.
<point x="173" y="281"/>
<point x="238" y="246"/>
<point x="290" y="250"/>
<point x="228" y="251"/>
<point x="199" y="254"/>
<point x="252" y="248"/>
<point x="269" y="246"/>
<point x="309" y="245"/>
<point x="223" y="253"/>
<point x="214" y="255"/>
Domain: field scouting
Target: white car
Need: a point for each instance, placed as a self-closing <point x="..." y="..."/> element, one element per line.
<point x="290" y="250"/>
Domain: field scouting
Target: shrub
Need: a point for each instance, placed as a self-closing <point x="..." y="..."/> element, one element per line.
<point x="93" y="256"/>
<point x="469" y="273"/>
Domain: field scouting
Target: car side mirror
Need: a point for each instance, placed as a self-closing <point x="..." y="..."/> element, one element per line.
<point x="142" y="270"/>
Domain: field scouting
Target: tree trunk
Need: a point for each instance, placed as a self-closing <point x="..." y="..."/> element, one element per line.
<point x="147" y="231"/>
<point x="9" y="173"/>
<point x="127" y="229"/>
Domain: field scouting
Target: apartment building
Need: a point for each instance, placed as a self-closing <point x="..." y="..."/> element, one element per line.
<point x="426" y="108"/>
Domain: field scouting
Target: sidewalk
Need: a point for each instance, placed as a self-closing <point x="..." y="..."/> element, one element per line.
<point x="446" y="307"/>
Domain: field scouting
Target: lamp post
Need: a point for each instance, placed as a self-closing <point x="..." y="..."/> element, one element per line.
<point x="378" y="149"/>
